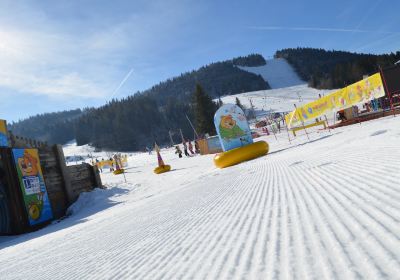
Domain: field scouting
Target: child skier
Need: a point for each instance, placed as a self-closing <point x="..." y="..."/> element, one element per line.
<point x="178" y="151"/>
<point x="185" y="150"/>
<point x="191" y="147"/>
<point x="111" y="165"/>
<point x="196" y="147"/>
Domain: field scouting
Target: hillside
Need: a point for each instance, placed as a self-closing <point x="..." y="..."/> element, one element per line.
<point x="139" y="120"/>
<point x="54" y="127"/>
<point x="334" y="69"/>
<point x="147" y="116"/>
<point x="217" y="79"/>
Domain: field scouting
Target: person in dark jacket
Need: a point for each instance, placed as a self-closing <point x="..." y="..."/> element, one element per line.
<point x="190" y="147"/>
<point x="178" y="151"/>
<point x="185" y="150"/>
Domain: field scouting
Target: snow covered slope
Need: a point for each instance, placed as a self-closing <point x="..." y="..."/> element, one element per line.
<point x="328" y="208"/>
<point x="278" y="72"/>
<point x="277" y="100"/>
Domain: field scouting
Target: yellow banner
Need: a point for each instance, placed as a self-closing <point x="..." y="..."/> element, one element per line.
<point x="360" y="92"/>
<point x="110" y="163"/>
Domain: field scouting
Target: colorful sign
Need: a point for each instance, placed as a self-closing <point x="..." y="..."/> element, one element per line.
<point x="232" y="127"/>
<point x="3" y="134"/>
<point x="32" y="185"/>
<point x="360" y="92"/>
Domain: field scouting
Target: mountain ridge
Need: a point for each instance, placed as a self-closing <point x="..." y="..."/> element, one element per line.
<point x="138" y="120"/>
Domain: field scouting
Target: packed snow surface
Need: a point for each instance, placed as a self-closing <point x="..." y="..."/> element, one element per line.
<point x="277" y="72"/>
<point x="324" y="208"/>
<point x="277" y="100"/>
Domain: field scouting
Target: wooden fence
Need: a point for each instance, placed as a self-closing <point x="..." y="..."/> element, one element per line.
<point x="63" y="183"/>
<point x="23" y="142"/>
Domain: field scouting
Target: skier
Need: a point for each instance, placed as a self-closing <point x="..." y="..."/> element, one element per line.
<point x="196" y="147"/>
<point x="185" y="149"/>
<point x="117" y="163"/>
<point x="191" y="147"/>
<point x="178" y="151"/>
<point x="111" y="165"/>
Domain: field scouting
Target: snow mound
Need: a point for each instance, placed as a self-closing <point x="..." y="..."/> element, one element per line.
<point x="277" y="72"/>
<point x="94" y="201"/>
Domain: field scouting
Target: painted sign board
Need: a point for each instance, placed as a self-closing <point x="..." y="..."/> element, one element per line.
<point x="232" y="127"/>
<point x="32" y="185"/>
<point x="3" y="134"/>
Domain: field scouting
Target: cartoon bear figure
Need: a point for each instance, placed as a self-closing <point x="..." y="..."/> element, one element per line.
<point x="228" y="128"/>
<point x="28" y="165"/>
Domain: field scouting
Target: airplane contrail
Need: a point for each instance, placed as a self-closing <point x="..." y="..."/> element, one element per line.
<point x="121" y="84"/>
<point x="319" y="29"/>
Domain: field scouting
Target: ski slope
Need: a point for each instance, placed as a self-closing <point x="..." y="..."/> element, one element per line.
<point x="277" y="72"/>
<point x="328" y="208"/>
<point x="277" y="100"/>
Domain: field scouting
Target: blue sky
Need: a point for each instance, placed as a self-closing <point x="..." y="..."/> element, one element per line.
<point x="60" y="55"/>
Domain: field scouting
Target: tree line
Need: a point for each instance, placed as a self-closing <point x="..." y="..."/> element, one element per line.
<point x="325" y="69"/>
<point x="152" y="115"/>
<point x="138" y="121"/>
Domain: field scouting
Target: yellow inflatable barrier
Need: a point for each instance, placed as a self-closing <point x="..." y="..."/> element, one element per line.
<point x="118" y="171"/>
<point x="162" y="169"/>
<point x="241" y="154"/>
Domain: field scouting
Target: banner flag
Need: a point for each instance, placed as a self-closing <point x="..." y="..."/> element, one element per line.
<point x="359" y="92"/>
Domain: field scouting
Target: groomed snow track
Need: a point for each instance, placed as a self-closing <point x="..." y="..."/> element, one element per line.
<point x="322" y="210"/>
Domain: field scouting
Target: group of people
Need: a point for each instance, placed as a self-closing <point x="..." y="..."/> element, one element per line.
<point x="187" y="147"/>
<point x="113" y="163"/>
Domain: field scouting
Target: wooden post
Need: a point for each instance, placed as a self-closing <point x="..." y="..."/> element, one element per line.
<point x="270" y="120"/>
<point x="12" y="139"/>
<point x="387" y="90"/>
<point x="65" y="174"/>
<point x="97" y="178"/>
<point x="326" y="119"/>
<point x="302" y="122"/>
<point x="288" y="134"/>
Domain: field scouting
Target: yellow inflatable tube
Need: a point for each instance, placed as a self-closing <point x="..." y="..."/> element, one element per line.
<point x="118" y="171"/>
<point x="241" y="154"/>
<point x="162" y="169"/>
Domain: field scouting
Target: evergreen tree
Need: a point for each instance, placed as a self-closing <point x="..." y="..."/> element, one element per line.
<point x="239" y="104"/>
<point x="204" y="110"/>
<point x="334" y="69"/>
<point x="219" y="102"/>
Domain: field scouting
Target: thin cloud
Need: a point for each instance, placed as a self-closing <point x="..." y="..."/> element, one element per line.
<point x="319" y="29"/>
<point x="49" y="56"/>
<point x="382" y="42"/>
<point x="368" y="14"/>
